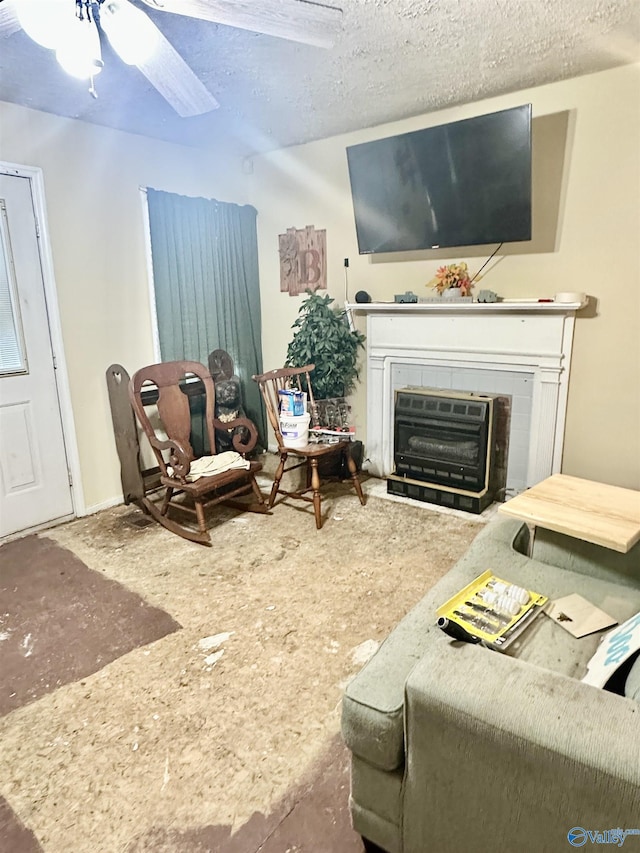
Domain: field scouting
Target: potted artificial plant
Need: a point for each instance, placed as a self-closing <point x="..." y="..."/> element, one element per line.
<point x="322" y="336"/>
<point x="453" y="281"/>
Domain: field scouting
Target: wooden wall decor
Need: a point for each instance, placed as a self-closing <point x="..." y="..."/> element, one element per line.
<point x="303" y="260"/>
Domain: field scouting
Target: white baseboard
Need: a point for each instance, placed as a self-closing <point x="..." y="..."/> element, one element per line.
<point x="110" y="502"/>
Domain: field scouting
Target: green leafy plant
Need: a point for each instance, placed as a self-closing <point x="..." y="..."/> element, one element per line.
<point x="322" y="337"/>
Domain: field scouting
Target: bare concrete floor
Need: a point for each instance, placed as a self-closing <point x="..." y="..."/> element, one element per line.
<point x="231" y="723"/>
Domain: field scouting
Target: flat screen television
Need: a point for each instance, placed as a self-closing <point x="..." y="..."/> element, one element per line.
<point x="460" y="184"/>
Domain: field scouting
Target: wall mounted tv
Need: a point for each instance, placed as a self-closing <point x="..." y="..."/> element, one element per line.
<point x="460" y="184"/>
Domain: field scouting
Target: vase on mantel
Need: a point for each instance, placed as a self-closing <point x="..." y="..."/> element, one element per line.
<point x="455" y="295"/>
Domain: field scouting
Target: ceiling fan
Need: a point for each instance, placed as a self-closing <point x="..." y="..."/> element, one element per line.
<point x="73" y="28"/>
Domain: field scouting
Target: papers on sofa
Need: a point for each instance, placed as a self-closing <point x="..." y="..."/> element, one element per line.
<point x="578" y="616"/>
<point x="616" y="647"/>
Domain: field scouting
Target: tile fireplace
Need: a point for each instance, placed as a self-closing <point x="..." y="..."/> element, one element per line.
<point x="517" y="349"/>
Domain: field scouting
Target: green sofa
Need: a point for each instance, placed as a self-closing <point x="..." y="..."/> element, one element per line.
<point x="457" y="748"/>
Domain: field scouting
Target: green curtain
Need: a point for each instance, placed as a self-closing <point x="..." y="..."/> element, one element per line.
<point x="205" y="271"/>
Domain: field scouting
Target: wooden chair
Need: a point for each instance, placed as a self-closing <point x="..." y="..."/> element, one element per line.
<point x="168" y="387"/>
<point x="309" y="455"/>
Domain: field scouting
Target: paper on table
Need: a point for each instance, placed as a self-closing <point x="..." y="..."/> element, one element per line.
<point x="578" y="616"/>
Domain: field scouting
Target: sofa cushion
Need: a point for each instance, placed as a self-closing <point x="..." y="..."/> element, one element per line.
<point x="546" y="644"/>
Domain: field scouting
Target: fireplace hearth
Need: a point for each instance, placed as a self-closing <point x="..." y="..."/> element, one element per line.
<point x="450" y="447"/>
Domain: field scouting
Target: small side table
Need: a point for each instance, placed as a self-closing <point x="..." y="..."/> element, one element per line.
<point x="595" y="512"/>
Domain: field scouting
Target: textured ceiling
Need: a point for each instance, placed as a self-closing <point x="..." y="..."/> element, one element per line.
<point x="392" y="59"/>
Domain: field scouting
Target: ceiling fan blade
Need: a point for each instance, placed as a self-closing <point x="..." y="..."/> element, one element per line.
<point x="167" y="71"/>
<point x="9" y="22"/>
<point x="297" y="20"/>
<point x="138" y="41"/>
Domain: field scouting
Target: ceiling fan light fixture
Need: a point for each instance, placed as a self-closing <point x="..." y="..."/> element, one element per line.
<point x="79" y="53"/>
<point x="131" y="33"/>
<point x="45" y="21"/>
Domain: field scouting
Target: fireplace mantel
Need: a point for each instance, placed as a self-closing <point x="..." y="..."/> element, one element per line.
<point x="524" y="306"/>
<point x="530" y="339"/>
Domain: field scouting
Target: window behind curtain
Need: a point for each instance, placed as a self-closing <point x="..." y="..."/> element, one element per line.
<point x="205" y="271"/>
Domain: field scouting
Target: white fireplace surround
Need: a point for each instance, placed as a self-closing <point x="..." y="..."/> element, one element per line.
<point x="531" y="339"/>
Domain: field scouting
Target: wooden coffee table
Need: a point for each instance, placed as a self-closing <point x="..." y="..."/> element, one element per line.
<point x="596" y="512"/>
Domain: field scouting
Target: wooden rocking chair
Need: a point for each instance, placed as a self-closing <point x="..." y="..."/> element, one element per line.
<point x="170" y="441"/>
<point x="292" y="377"/>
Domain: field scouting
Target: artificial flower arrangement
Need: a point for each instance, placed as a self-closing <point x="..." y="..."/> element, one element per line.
<point x="453" y="275"/>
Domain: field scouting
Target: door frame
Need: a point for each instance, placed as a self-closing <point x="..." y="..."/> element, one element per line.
<point x="35" y="176"/>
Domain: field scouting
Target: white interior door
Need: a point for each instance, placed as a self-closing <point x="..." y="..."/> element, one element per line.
<point x="34" y="476"/>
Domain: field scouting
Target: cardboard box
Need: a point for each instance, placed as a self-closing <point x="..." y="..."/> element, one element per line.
<point x="293" y="403"/>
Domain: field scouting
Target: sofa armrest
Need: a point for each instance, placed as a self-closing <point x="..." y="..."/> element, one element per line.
<point x="513" y="755"/>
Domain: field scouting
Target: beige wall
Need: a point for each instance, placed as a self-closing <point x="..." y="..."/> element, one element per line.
<point x="586" y="238"/>
<point x="92" y="177"/>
